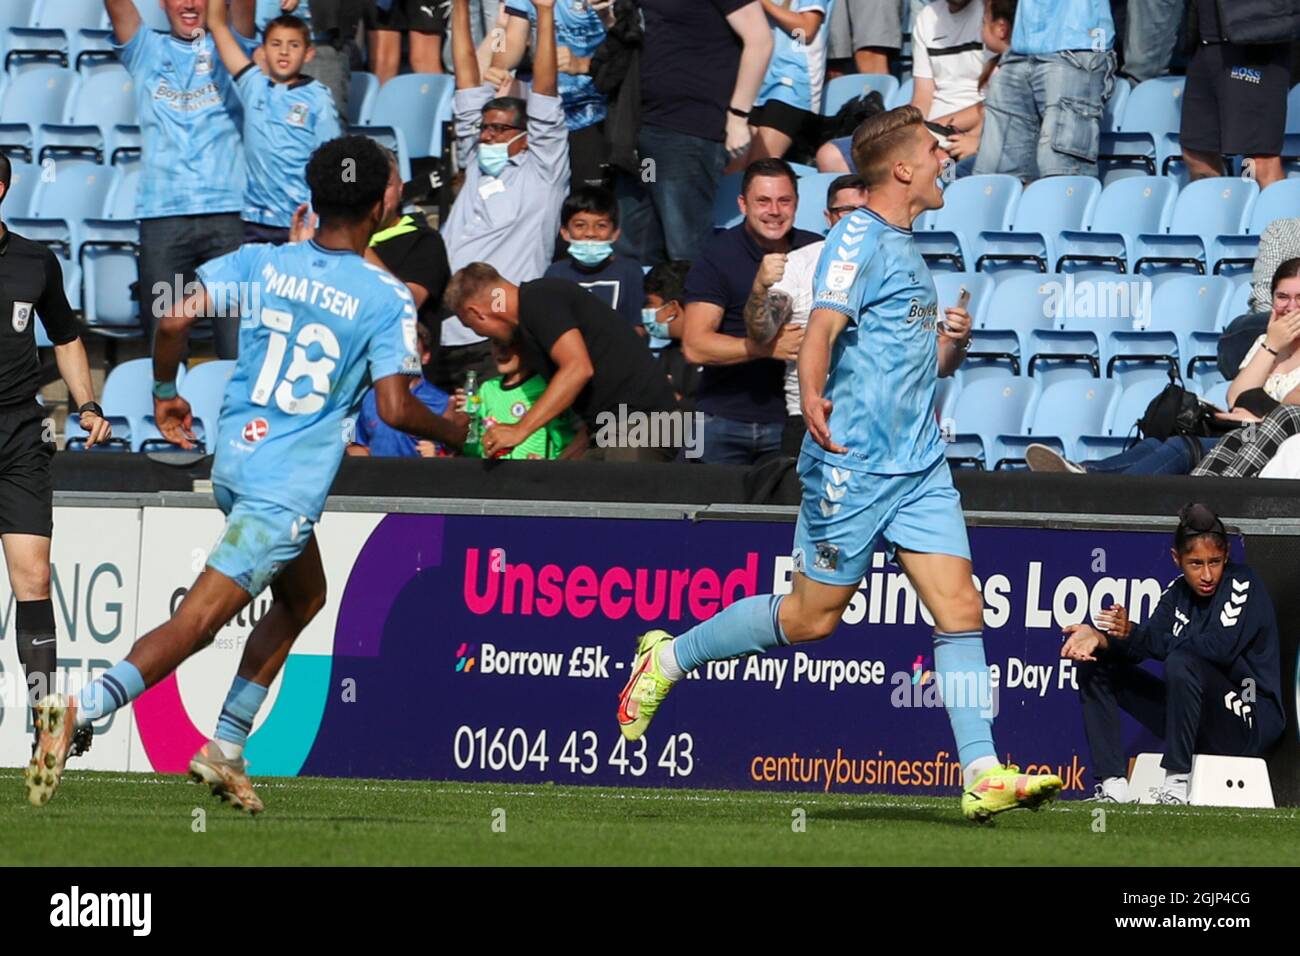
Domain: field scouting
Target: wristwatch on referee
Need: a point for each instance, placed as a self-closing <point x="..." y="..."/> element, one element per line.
<point x="92" y="407"/>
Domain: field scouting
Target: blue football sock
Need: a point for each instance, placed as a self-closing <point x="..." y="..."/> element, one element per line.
<point x="241" y="706"/>
<point x="115" y="688"/>
<point x="963" y="676"/>
<point x="749" y="626"/>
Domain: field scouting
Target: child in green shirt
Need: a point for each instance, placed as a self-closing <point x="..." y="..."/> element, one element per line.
<point x="505" y="400"/>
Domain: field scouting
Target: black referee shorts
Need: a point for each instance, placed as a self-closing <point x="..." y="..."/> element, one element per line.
<point x="1234" y="101"/>
<point x="422" y="16"/>
<point x="26" y="489"/>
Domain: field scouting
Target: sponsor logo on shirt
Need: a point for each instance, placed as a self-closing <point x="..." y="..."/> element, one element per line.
<point x="188" y="101"/>
<point x="255" y="430"/>
<point x="927" y="313"/>
<point x="298" y="114"/>
<point x="22" y="316"/>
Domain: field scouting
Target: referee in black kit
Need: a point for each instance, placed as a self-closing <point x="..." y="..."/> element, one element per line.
<point x="31" y="285"/>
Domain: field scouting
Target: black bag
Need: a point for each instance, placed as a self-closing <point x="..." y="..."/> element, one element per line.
<point x="851" y="115"/>
<point x="1178" y="413"/>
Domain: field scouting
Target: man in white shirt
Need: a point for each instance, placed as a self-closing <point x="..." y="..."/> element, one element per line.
<point x="785" y="280"/>
<point x="948" y="57"/>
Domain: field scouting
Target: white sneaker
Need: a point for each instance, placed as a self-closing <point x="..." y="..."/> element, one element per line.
<point x="1041" y="458"/>
<point x="1114" y="790"/>
<point x="1172" y="796"/>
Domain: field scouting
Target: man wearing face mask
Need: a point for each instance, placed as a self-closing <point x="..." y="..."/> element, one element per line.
<point x="515" y="154"/>
<point x="589" y="224"/>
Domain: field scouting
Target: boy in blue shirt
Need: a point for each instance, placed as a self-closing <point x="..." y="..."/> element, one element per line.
<point x="373" y="437"/>
<point x="192" y="183"/>
<point x="327" y="325"/>
<point x="287" y="115"/>
<point x="589" y="224"/>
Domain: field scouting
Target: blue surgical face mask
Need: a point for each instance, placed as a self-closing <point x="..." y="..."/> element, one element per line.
<point x="492" y="157"/>
<point x="650" y="319"/>
<point x="591" y="252"/>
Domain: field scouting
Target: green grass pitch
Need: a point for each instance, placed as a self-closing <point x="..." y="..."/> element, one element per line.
<point x="148" y="819"/>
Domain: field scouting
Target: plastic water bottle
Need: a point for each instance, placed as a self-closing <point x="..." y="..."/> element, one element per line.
<point x="474" y="435"/>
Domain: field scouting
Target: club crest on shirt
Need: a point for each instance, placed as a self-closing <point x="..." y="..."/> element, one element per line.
<point x="519" y="410"/>
<point x="298" y="114"/>
<point x="202" y="63"/>
<point x="22" y="316"/>
<point x="828" y="556"/>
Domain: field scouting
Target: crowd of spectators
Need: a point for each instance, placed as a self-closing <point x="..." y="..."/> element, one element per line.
<point x="591" y="141"/>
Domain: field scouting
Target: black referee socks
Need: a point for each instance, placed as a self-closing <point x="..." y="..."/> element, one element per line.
<point x="37" y="647"/>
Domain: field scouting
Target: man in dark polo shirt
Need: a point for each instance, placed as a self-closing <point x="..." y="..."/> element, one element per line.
<point x="592" y="360"/>
<point x="31" y="288"/>
<point x="741" y="392"/>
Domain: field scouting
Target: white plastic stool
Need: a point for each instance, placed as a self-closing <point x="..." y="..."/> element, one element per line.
<point x="1230" y="782"/>
<point x="1147" y="777"/>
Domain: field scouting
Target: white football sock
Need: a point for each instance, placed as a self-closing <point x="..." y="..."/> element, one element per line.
<point x="668" y="663"/>
<point x="229" y="750"/>
<point x="971" y="772"/>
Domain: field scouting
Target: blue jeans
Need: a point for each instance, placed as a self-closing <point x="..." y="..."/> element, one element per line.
<point x="725" y="441"/>
<point x="1152" y="456"/>
<point x="668" y="213"/>
<point x="1042" y="115"/>
<point x="1150" y="37"/>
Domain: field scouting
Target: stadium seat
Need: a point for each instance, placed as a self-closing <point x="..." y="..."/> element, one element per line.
<point x="948" y="285"/>
<point x="22" y="185"/>
<point x="1204" y="376"/>
<point x="811" y="214"/>
<point x="1121" y="429"/>
<point x="410" y="114"/>
<point x="1236" y="253"/>
<point x="1205" y="210"/>
<point x="1061" y="414"/>
<point x="1179" y="307"/>
<point x="1146" y="132"/>
<point x="1291" y="142"/>
<point x="989" y="408"/>
<point x="1125" y="209"/>
<point x="361" y="98"/>
<point x="204" y="388"/>
<point x="971" y="206"/>
<point x="108" y="304"/>
<point x="104" y="100"/>
<point x="127" y="401"/>
<point x="49" y="34"/>
<point x="844" y="88"/>
<point x="902" y="96"/>
<point x="69" y="192"/>
<point x="1047" y="207"/>
<point x="115" y="224"/>
<point x="945" y="401"/>
<point x="32" y="98"/>
<point x="1088" y="306"/>
<point x="1217" y="394"/>
<point x="1019" y="305"/>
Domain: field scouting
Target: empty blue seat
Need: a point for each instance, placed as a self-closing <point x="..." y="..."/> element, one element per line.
<point x="1020" y="304"/>
<point x="1147" y="132"/>
<point x="32" y="98"/>
<point x="811" y="214"/>
<point x="902" y="96"/>
<point x="1236" y="253"/>
<point x="52" y="29"/>
<point x="1121" y="429"/>
<point x="110" y="309"/>
<point x="989" y="408"/>
<point x="1205" y="210"/>
<point x="22" y="185"/>
<point x="361" y="98"/>
<point x="1088" y="307"/>
<point x="1125" y="209"/>
<point x="1062" y="414"/>
<point x="1047" y="207"/>
<point x="971" y="206"/>
<point x="1180" y="307"/>
<point x="74" y="190"/>
<point x="204" y="389"/>
<point x="104" y="100"/>
<point x="127" y="401"/>
<point x="844" y="88"/>
<point x="1217" y="395"/>
<point x="410" y="114"/>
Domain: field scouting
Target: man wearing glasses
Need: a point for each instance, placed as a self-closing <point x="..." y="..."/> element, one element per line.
<point x="515" y="154"/>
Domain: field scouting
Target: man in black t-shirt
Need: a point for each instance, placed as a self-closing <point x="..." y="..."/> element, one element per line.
<point x="31" y="287"/>
<point x="592" y="361"/>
